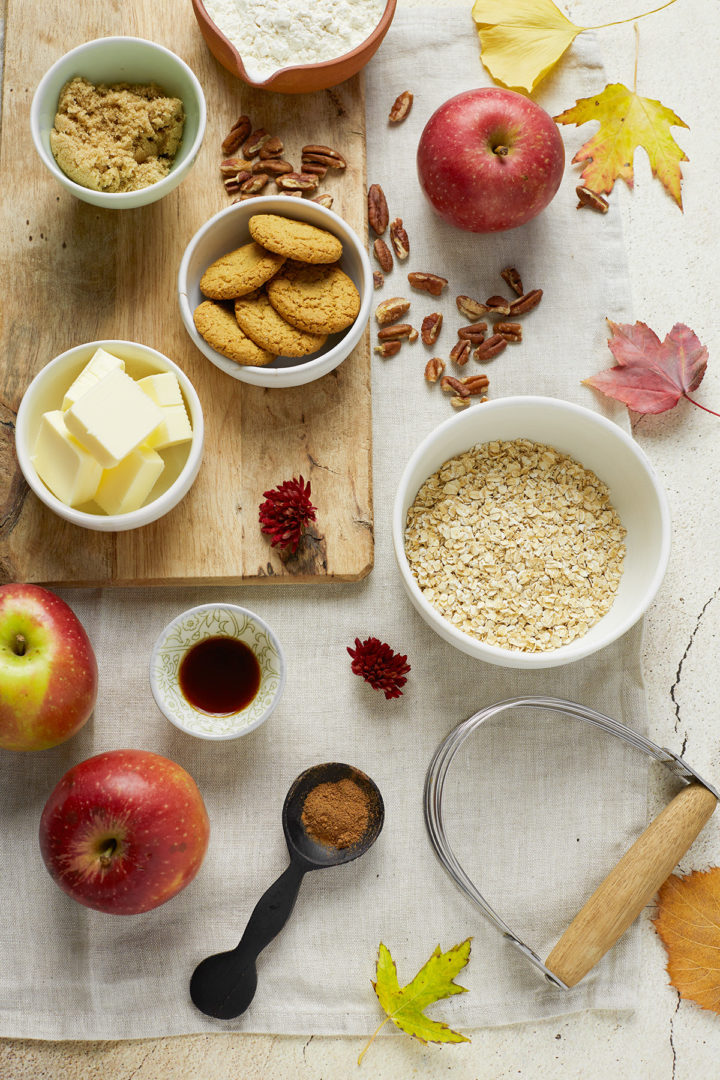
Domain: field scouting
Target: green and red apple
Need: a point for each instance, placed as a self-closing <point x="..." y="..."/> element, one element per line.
<point x="124" y="831"/>
<point x="48" y="671"/>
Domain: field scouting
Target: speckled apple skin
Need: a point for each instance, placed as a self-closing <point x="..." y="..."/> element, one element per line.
<point x="149" y="806"/>
<point x="467" y="183"/>
<point x="49" y="692"/>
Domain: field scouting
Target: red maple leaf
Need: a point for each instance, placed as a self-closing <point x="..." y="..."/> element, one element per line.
<point x="652" y="375"/>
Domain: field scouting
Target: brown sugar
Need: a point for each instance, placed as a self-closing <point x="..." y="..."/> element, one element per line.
<point x="336" y="814"/>
<point x="116" y="138"/>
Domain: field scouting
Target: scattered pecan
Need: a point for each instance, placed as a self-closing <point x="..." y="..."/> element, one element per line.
<point x="449" y="384"/>
<point x="511" y="331"/>
<point x="292" y="194"/>
<point x="389" y="311"/>
<point x="475" y="384"/>
<point x="388" y="348"/>
<point x="498" y="305"/>
<point x="272" y="148"/>
<point x="434" y="368"/>
<point x="325" y="199"/>
<point x="316" y="170"/>
<point x="526" y="302"/>
<point x="474" y="332"/>
<point x="378" y="277"/>
<point x="273" y="167"/>
<point x="401" y="107"/>
<point x="399" y="238"/>
<point x="324" y="155"/>
<point x="297" y="181"/>
<point x="591" y="199"/>
<point x="490" y="348"/>
<point x="458" y="402"/>
<point x="237" y="135"/>
<point x="234" y="183"/>
<point x="378" y="213"/>
<point x="397" y="330"/>
<point x="383" y="254"/>
<point x="233" y="165"/>
<point x="511" y="277"/>
<point x="430" y="328"/>
<point x="430" y="283"/>
<point x="252" y="145"/>
<point x="460" y="352"/>
<point x="254" y="184"/>
<point x="470" y="308"/>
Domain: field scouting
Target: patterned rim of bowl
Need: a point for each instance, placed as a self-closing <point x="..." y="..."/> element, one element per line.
<point x="195" y="625"/>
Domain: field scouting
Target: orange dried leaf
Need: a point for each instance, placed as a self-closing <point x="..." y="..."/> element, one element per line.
<point x="626" y="122"/>
<point x="688" y="922"/>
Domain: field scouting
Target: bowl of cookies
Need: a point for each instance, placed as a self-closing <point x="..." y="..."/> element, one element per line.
<point x="275" y="291"/>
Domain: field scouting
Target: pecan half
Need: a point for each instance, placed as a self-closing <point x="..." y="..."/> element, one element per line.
<point x="458" y="402"/>
<point x="474" y="332"/>
<point x="397" y="330"/>
<point x="252" y="145"/>
<point x="383" y="254"/>
<point x="237" y="135"/>
<point x="389" y="311"/>
<point x="498" y="305"/>
<point x="460" y="352"/>
<point x="295" y="181"/>
<point x="434" y="368"/>
<point x="378" y="277"/>
<point x="234" y="183"/>
<point x="511" y="277"/>
<point x="378" y="213"/>
<point x="430" y="283"/>
<point x="511" y="331"/>
<point x="254" y="184"/>
<point x="233" y="165"/>
<point x="272" y="148"/>
<point x="332" y="158"/>
<point x="449" y="384"/>
<point x="401" y="107"/>
<point x="475" y="384"/>
<point x="591" y="199"/>
<point x="399" y="238"/>
<point x="388" y="348"/>
<point x="273" y="167"/>
<point x="490" y="348"/>
<point x="325" y="199"/>
<point x="431" y="326"/>
<point x="526" y="302"/>
<point x="470" y="308"/>
<point x="316" y="170"/>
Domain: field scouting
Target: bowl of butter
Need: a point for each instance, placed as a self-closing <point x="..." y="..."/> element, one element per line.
<point x="109" y="435"/>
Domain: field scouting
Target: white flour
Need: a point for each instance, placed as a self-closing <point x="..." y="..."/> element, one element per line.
<point x="272" y="34"/>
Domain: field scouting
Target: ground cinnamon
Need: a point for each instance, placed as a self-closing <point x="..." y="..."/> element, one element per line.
<point x="336" y="813"/>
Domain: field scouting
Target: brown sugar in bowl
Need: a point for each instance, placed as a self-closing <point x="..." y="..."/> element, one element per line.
<point x="304" y="78"/>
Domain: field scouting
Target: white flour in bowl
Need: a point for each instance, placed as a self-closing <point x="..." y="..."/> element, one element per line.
<point x="273" y="34"/>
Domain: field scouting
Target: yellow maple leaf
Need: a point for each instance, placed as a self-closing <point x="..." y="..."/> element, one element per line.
<point x="521" y="41"/>
<point x="626" y="122"/>
<point x="688" y="922"/>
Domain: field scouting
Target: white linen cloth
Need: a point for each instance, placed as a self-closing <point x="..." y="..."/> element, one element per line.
<point x="539" y="809"/>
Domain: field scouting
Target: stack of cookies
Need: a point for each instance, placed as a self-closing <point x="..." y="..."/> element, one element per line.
<point x="282" y="294"/>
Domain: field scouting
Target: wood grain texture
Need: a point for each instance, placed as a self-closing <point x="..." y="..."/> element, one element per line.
<point x="76" y="273"/>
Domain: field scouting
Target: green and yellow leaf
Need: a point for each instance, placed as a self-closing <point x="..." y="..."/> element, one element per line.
<point x="626" y="122"/>
<point x="522" y="40"/>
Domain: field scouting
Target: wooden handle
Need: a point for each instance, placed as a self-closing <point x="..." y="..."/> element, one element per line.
<point x="630" y="885"/>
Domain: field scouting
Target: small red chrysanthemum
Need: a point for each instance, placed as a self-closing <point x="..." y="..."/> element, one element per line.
<point x="286" y="512"/>
<point x="379" y="665"/>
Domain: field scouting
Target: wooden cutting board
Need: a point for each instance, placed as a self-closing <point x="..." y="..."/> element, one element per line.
<point x="74" y="273"/>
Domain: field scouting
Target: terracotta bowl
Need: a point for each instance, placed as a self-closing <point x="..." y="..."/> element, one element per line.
<point x="304" y="78"/>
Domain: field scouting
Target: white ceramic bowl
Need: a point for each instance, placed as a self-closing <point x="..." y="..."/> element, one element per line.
<point x="228" y="230"/>
<point x="596" y="443"/>
<point x="115" y="60"/>
<point x="46" y="392"/>
<point x="196" y="625"/>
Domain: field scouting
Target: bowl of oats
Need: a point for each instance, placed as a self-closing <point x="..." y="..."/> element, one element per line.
<point x="530" y="532"/>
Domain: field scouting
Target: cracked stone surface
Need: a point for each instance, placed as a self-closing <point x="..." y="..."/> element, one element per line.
<point x="673" y="257"/>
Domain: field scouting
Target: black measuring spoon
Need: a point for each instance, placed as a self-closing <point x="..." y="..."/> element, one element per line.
<point x="223" y="985"/>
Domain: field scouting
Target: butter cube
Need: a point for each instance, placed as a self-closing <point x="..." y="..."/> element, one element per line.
<point x="127" y="486"/>
<point x="63" y="465"/>
<point x="164" y="390"/>
<point x="100" y="363"/>
<point x="112" y="418"/>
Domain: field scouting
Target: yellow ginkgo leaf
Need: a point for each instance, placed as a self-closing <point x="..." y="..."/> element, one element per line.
<point x="521" y="40"/>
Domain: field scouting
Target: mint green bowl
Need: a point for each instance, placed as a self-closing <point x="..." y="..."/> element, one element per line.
<point x="195" y="625"/>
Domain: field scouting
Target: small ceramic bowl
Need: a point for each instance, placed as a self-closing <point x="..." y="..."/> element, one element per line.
<point x="597" y="444"/>
<point x="228" y="230"/>
<point x="46" y="392"/>
<point x="189" y="629"/>
<point x="115" y="60"/>
<point x="302" y="78"/>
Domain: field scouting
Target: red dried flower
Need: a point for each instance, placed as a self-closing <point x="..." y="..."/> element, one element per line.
<point x="286" y="513"/>
<point x="379" y="665"/>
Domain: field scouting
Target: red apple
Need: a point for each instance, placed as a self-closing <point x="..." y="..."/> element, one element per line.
<point x="490" y="160"/>
<point x="48" y="671"/>
<point x="124" y="831"/>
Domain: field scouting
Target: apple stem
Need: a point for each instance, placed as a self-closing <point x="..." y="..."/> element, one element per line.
<point x="501" y="150"/>
<point x="107" y="853"/>
<point x="20" y="644"/>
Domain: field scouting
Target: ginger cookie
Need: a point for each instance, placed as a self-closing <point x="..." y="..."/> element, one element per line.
<point x="220" y="329"/>
<point x="258" y="319"/>
<point x="295" y="239"/>
<point x="317" y="299"/>
<point x="239" y="272"/>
